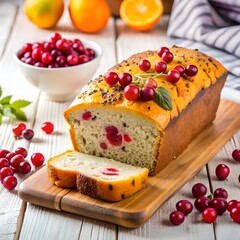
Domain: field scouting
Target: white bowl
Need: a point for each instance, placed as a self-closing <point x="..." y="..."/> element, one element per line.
<point x="62" y="84"/>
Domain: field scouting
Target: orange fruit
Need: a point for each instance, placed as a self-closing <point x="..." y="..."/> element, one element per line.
<point x="44" y="13"/>
<point x="89" y="16"/>
<point x="141" y="15"/>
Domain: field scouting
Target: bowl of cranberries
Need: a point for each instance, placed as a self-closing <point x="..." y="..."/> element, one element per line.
<point x="59" y="67"/>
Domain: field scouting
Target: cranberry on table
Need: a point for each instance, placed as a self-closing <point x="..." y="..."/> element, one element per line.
<point x="220" y="192"/>
<point x="180" y="68"/>
<point x="28" y="134"/>
<point x="144" y="65"/>
<point x="37" y="159"/>
<point x="173" y="76"/>
<point x="9" y="182"/>
<point x="24" y="167"/>
<point x="236" y="155"/>
<point x="219" y="204"/>
<point x="15" y="161"/>
<point x="10" y="155"/>
<point x="160" y="67"/>
<point x="131" y="92"/>
<point x="3" y="152"/>
<point x="167" y="57"/>
<point x="22" y="151"/>
<point x="18" y="129"/>
<point x="6" y="171"/>
<point x="125" y="79"/>
<point x="209" y="215"/>
<point x="147" y="93"/>
<point x="151" y="82"/>
<point x="191" y="70"/>
<point x="4" y="163"/>
<point x="232" y="204"/>
<point x="111" y="78"/>
<point x="201" y="203"/>
<point x="162" y="50"/>
<point x="199" y="189"/>
<point x="222" y="171"/>
<point x="184" y="206"/>
<point x="177" y="218"/>
<point x="47" y="127"/>
<point x="235" y="214"/>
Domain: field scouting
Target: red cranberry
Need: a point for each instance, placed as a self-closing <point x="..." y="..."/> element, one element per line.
<point x="125" y="79"/>
<point x="48" y="46"/>
<point x="28" y="134"/>
<point x="191" y="70"/>
<point x="235" y="214"/>
<point x="173" y="76"/>
<point x="24" y="167"/>
<point x="144" y="65"/>
<point x="72" y="59"/>
<point x="111" y="78"/>
<point x="184" y="206"/>
<point x="167" y="57"/>
<point x="3" y="152"/>
<point x="4" y="172"/>
<point x="18" y="129"/>
<point x="61" y="60"/>
<point x="37" y="45"/>
<point x="55" y="37"/>
<point x="126" y="138"/>
<point x="47" y="127"/>
<point x="111" y="129"/>
<point x="177" y="218"/>
<point x="220" y="192"/>
<point x="110" y="172"/>
<point x="160" y="67"/>
<point x="103" y="145"/>
<point x="27" y="47"/>
<point x="90" y="52"/>
<point x="15" y="161"/>
<point x="22" y="151"/>
<point x="27" y="55"/>
<point x="83" y="59"/>
<point x="78" y="47"/>
<point x="236" y="155"/>
<point x="199" y="190"/>
<point x="209" y="215"/>
<point x="62" y="45"/>
<point x="147" y="93"/>
<point x="222" y="171"/>
<point x="219" y="204"/>
<point x="151" y="83"/>
<point x="37" y="159"/>
<point x="201" y="203"/>
<point x="10" y="155"/>
<point x="53" y="65"/>
<point x="55" y="53"/>
<point x="180" y="69"/>
<point x="37" y="53"/>
<point x="4" y="162"/>
<point x="47" y="58"/>
<point x="87" y="116"/>
<point x="39" y="64"/>
<point x="10" y="182"/>
<point x="131" y="92"/>
<point x="30" y="61"/>
<point x="162" y="50"/>
<point x="115" y="140"/>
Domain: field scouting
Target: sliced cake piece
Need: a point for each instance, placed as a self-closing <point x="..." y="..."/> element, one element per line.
<point x="95" y="176"/>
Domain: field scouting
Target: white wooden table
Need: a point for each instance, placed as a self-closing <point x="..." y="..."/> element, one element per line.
<point x="21" y="220"/>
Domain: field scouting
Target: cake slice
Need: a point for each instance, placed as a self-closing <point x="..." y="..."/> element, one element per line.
<point x="97" y="177"/>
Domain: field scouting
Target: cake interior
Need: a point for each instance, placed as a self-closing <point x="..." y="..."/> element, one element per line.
<point x="114" y="133"/>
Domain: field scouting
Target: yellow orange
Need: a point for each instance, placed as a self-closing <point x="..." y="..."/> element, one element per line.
<point x="89" y="16"/>
<point x="44" y="13"/>
<point x="141" y="15"/>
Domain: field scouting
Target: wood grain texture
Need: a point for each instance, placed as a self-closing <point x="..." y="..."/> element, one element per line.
<point x="136" y="210"/>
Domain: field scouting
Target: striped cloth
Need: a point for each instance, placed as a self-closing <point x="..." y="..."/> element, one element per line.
<point x="213" y="27"/>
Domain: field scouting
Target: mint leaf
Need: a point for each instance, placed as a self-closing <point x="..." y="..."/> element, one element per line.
<point x="163" y="98"/>
<point x="0" y="91"/>
<point x="19" y="114"/>
<point x="20" y="104"/>
<point x="5" y="100"/>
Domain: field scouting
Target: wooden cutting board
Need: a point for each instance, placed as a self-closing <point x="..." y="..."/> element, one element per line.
<point x="136" y="210"/>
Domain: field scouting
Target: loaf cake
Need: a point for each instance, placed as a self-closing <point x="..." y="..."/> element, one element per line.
<point x="97" y="177"/>
<point x="102" y="122"/>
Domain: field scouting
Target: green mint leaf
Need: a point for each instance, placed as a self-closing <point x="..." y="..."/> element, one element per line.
<point x="163" y="98"/>
<point x="20" y="104"/>
<point x="19" y="114"/>
<point x="0" y="91"/>
<point x="5" y="100"/>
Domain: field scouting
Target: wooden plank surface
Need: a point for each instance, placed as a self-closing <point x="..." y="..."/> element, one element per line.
<point x="136" y="210"/>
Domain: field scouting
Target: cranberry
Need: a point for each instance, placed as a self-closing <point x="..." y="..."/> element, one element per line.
<point x="90" y="52"/>
<point x="151" y="83"/>
<point x="232" y="204"/>
<point x="219" y="204"/>
<point x="15" y="161"/>
<point x="184" y="206"/>
<point x="3" y="152"/>
<point x="37" y="159"/>
<point x="147" y="93"/>
<point x="160" y="67"/>
<point x="24" y="167"/>
<point x="180" y="69"/>
<point x="162" y="50"/>
<point x="62" y="45"/>
<point x="131" y="92"/>
<point x="209" y="215"/>
<point x="28" y="134"/>
<point x="55" y="37"/>
<point x="103" y="145"/>
<point x="173" y="76"/>
<point x="191" y="70"/>
<point x="201" y="203"/>
<point x="83" y="59"/>
<point x="37" y="53"/>
<point x="37" y="45"/>
<point x="87" y="116"/>
<point x="20" y="53"/>
<point x="4" y="172"/>
<point x="55" y="53"/>
<point x="61" y="60"/>
<point x="236" y="155"/>
<point x="22" y="151"/>
<point x="167" y="57"/>
<point x="125" y="79"/>
<point x="177" y="218"/>
<point x="144" y="65"/>
<point x="110" y="171"/>
<point x="48" y="46"/>
<point x="30" y="61"/>
<point x="10" y="182"/>
<point x="27" y="47"/>
<point x="127" y="138"/>
<point x="78" y="47"/>
<point x="39" y="64"/>
<point x="10" y="155"/>
<point x="115" y="140"/>
<point x="111" y="78"/>
<point x="199" y="190"/>
<point x="72" y="59"/>
<point x="53" y="65"/>
<point x="47" y="58"/>
<point x="222" y="171"/>
<point x="220" y="192"/>
<point x="18" y="129"/>
<point x="235" y="214"/>
<point x="47" y="127"/>
<point x="111" y="129"/>
<point x="4" y="163"/>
